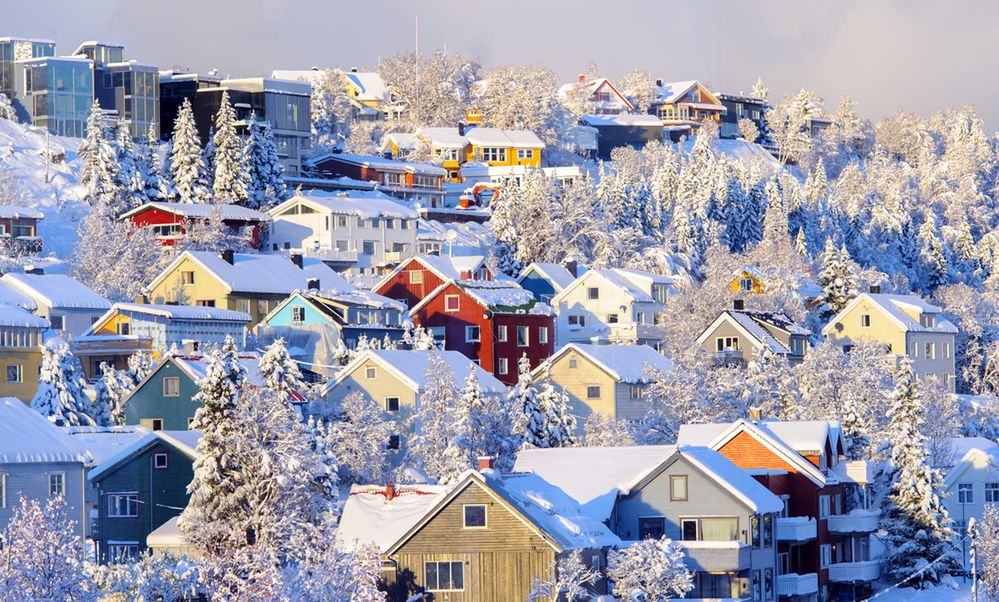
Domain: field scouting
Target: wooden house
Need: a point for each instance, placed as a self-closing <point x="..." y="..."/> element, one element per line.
<point x="171" y="221"/>
<point x="739" y="335"/>
<point x="19" y="229"/>
<point x="595" y="95"/>
<point x="21" y="335"/>
<point x="70" y="306"/>
<point x="683" y="105"/>
<point x="545" y="280"/>
<point x="419" y="183"/>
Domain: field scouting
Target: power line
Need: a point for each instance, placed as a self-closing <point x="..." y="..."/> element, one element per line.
<point x="903" y="581"/>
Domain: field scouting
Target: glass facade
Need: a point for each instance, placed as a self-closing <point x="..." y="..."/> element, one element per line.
<point x="19" y="50"/>
<point x="134" y="92"/>
<point x="56" y="94"/>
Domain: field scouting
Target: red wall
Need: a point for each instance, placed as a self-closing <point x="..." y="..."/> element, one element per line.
<point x="399" y="288"/>
<point x="158" y="217"/>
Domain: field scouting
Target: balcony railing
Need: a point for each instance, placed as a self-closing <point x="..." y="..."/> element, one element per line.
<point x="393" y="256"/>
<point x="857" y="521"/>
<point x="330" y="254"/>
<point x="713" y="556"/>
<point x="795" y="528"/>
<point x="851" y="572"/>
<point x="793" y="584"/>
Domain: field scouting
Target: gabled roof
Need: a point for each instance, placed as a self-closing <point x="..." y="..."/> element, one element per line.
<point x="480" y="136"/>
<point x="623" y="363"/>
<point x="631" y="283"/>
<point x="988" y="457"/>
<point x="555" y="273"/>
<point x="183" y="441"/>
<point x="11" y="315"/>
<point x="253" y="272"/>
<point x="448" y="269"/>
<point x="540" y="506"/>
<point x="11" y="296"/>
<point x="201" y="210"/>
<point x="750" y="323"/>
<point x="359" y="203"/>
<point x="370" y="517"/>
<point x="442" y="137"/>
<point x="369" y="84"/>
<point x="592" y="86"/>
<point x="27" y="437"/>
<point x="497" y="296"/>
<point x="380" y="163"/>
<point x="410" y="366"/>
<point x="327" y="301"/>
<point x="104" y="442"/>
<point x="622" y="120"/>
<point x="56" y="290"/>
<point x="670" y="92"/>
<point x="172" y="312"/>
<point x="892" y="307"/>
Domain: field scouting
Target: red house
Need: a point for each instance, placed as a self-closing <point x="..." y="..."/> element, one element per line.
<point x="170" y="220"/>
<point x="416" y="182"/>
<point x="491" y="322"/>
<point x="821" y="546"/>
<point x="19" y="228"/>
<point x="417" y="277"/>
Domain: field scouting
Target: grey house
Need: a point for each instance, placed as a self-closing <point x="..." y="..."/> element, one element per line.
<point x="39" y="461"/>
<point x="140" y="489"/>
<point x="720" y="514"/>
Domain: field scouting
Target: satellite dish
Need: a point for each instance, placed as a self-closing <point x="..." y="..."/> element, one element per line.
<point x="451" y="235"/>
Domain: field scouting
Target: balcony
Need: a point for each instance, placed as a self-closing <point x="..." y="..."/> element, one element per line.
<point x="853" y="572"/>
<point x="795" y="528"/>
<point x="331" y="254"/>
<point x="794" y="584"/>
<point x="393" y="256"/>
<point x="715" y="556"/>
<point x="857" y="521"/>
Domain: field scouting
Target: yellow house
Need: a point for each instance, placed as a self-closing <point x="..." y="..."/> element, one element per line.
<point x="609" y="380"/>
<point x="745" y="282"/>
<point x="250" y="283"/>
<point x="368" y="92"/>
<point x="906" y="325"/>
<point x="453" y="147"/>
<point x="496" y="147"/>
<point x="685" y="104"/>
<point x="20" y="352"/>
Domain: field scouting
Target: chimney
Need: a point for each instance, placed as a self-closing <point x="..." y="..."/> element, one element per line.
<point x="353" y="69"/>
<point x="582" y="77"/>
<point x="389" y="492"/>
<point x="875" y="289"/>
<point x="312" y="284"/>
<point x="573" y="266"/>
<point x="35" y="270"/>
<point x="315" y="68"/>
<point x="296" y="258"/>
<point x="227" y="256"/>
<point x="755" y="413"/>
<point x="659" y="83"/>
<point x="738" y="305"/>
<point x="143" y="299"/>
<point x="461" y="129"/>
<point x="486" y="462"/>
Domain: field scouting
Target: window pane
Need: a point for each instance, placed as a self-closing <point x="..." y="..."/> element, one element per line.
<point x="457" y="575"/>
<point x="431" y="570"/>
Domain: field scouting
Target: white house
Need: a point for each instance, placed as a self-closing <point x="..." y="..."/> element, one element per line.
<point x="362" y="233"/>
<point x="611" y="305"/>
<point x="70" y="306"/>
<point x="972" y="480"/>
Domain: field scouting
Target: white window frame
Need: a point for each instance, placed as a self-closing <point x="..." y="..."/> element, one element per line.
<point x="527" y="336"/>
<point x="543" y="335"/>
<point x="416" y="277"/>
<point x="992" y="491"/>
<point x="371" y="373"/>
<point x="61" y="476"/>
<point x="501" y="333"/>
<point x="388" y="407"/>
<point x="930" y="350"/>
<point x="447" y="303"/>
<point x="298" y="314"/>
<point x="635" y="392"/>
<point x="503" y="366"/>
<point x="449" y="563"/>
<point x="573" y="363"/>
<point x="577" y="321"/>
<point x="865" y="320"/>
<point x="464" y="516"/>
<point x="592" y="293"/>
<point x="156" y="457"/>
<point x="471" y="331"/>
<point x="168" y="391"/>
<point x="965" y="493"/>
<point x="825" y="555"/>
<point x="18" y="373"/>
<point x="825" y="506"/>
<point x="131" y="507"/>
<point x="128" y="545"/>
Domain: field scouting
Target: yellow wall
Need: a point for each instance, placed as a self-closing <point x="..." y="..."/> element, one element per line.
<point x="511" y="157"/>
<point x="384" y="385"/>
<point x="30" y="361"/>
<point x="614" y="401"/>
<point x="736" y="284"/>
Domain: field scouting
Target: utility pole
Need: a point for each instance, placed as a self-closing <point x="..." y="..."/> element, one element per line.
<point x="972" y="535"/>
<point x="46" y="155"/>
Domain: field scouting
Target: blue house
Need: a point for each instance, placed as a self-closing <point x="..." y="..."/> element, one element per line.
<point x="348" y="315"/>
<point x="545" y="280"/>
<point x="139" y="489"/>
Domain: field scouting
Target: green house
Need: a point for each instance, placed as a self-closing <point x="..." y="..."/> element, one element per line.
<point x="139" y="489"/>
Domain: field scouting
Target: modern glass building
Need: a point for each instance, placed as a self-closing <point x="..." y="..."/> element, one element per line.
<point x="18" y="49"/>
<point x="55" y="93"/>
<point x="127" y="87"/>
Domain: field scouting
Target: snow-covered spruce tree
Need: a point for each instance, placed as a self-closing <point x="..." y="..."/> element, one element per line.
<point x="131" y="180"/>
<point x="99" y="173"/>
<point x="568" y="580"/>
<point x="61" y="397"/>
<point x="41" y="556"/>
<point x="651" y="570"/>
<point x="434" y="448"/>
<point x="604" y="431"/>
<point x="530" y="419"/>
<point x="560" y="424"/>
<point x="360" y="434"/>
<point x="232" y="174"/>
<point x="916" y="526"/>
<point x="987" y="550"/>
<point x="482" y="426"/>
<point x="267" y="187"/>
<point x="187" y="163"/>
<point x="279" y="372"/>
<point x="157" y="185"/>
<point x="330" y="108"/>
<point x="327" y="476"/>
<point x="837" y="278"/>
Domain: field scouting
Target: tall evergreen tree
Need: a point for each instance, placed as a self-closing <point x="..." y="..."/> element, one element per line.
<point x="267" y="187"/>
<point x="187" y="163"/>
<point x="279" y="372"/>
<point x="61" y="397"/>
<point x="839" y="285"/>
<point x="131" y="178"/>
<point x="482" y="426"/>
<point x="231" y="171"/>
<point x="99" y="173"/>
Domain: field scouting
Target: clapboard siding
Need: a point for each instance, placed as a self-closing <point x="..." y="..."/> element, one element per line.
<point x="32" y="482"/>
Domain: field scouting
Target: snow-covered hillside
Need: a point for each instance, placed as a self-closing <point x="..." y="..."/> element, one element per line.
<point x="22" y="152"/>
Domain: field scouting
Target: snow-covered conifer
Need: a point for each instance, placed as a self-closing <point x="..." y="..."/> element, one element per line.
<point x="267" y="187"/>
<point x="61" y="397"/>
<point x="434" y="448"/>
<point x="652" y="568"/>
<point x="361" y="434"/>
<point x="279" y="372"/>
<point x="837" y="278"/>
<point x="987" y="550"/>
<point x="99" y="173"/>
<point x="232" y="174"/>
<point x="187" y="163"/>
<point x="130" y="176"/>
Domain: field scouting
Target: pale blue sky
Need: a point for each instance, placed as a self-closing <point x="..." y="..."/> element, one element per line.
<point x="915" y="53"/>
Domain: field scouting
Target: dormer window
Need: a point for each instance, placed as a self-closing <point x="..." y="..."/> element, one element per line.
<point x="928" y="320"/>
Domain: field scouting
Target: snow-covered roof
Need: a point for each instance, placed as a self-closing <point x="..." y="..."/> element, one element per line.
<point x="382" y="163"/>
<point x="672" y="91"/>
<point x="410" y="366"/>
<point x="11" y="315"/>
<point x="148" y="438"/>
<point x="751" y="327"/>
<point x="27" y="437"/>
<point x="402" y="140"/>
<point x="443" y="137"/>
<point x="166" y="535"/>
<point x="370" y="85"/>
<point x="182" y="312"/>
<point x="737" y="481"/>
<point x="16" y="212"/>
<point x="987" y="457"/>
<point x="104" y="442"/>
<point x="196" y="366"/>
<point x="202" y="210"/>
<point x="502" y="296"/>
<point x="623" y="119"/>
<point x="56" y="290"/>
<point x="592" y="86"/>
<point x="894" y="307"/>
<point x="480" y="136"/>
<point x="446" y="268"/>
<point x="636" y="284"/>
<point x="11" y="296"/>
<point x="254" y="272"/>
<point x="356" y="296"/>
<point x="369" y="517"/>
<point x="357" y="203"/>
<point x="555" y="273"/>
<point x="624" y="363"/>
<point x="960" y="446"/>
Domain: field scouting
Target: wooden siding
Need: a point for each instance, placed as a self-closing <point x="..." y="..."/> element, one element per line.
<point x="32" y="481"/>
<point x="148" y="402"/>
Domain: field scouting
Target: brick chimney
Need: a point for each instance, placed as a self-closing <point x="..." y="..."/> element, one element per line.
<point x="227" y="256"/>
<point x="312" y="284"/>
<point x="875" y="289"/>
<point x="582" y="77"/>
<point x="296" y="258"/>
<point x="389" y="492"/>
<point x="486" y="462"/>
<point x="738" y="305"/>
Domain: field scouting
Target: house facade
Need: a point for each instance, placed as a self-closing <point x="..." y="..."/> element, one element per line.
<point x="349" y="314"/>
<point x="682" y="106"/>
<point x="418" y="183"/>
<point x="545" y="280"/>
<point x="619" y="131"/>
<point x="70" y="307"/>
<point x="170" y="221"/>
<point x="906" y="325"/>
<point x="362" y="234"/>
<point x="737" y="108"/>
<point x="139" y="489"/>
<point x="971" y="482"/>
<point x="21" y="339"/>
<point x="19" y="228"/>
<point x="594" y="95"/>
<point x="453" y="147"/>
<point x="612" y="305"/>
<point x="740" y="335"/>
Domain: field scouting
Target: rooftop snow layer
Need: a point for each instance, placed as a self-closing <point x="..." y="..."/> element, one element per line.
<point x="56" y="290"/>
<point x="363" y="206"/>
<point x="184" y="312"/>
<point x="624" y="120"/>
<point x="495" y="137"/>
<point x="15" y="212"/>
<point x="371" y="85"/>
<point x="11" y="296"/>
<point x="503" y="297"/>
<point x="11" y="315"/>
<point x="369" y="517"/>
<point x="203" y="210"/>
<point x="895" y="305"/>
<point x="185" y="441"/>
<point x="104" y="442"/>
<point x="410" y="366"/>
<point x="626" y="363"/>
<point x="556" y="273"/>
<point x="443" y="137"/>
<point x="27" y="437"/>
<point x="383" y="163"/>
<point x="259" y="273"/>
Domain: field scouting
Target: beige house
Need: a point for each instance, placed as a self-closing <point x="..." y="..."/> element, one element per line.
<point x="609" y="380"/>
<point x="738" y="335"/>
<point x="21" y="340"/>
<point x="906" y="325"/>
<point x="397" y="378"/>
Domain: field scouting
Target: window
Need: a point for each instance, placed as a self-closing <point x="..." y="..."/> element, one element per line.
<point x="755" y="531"/>
<point x="825" y="554"/>
<point x="927" y="320"/>
<point x="573" y="363"/>
<point x="577" y="320"/>
<point x="689" y="529"/>
<point x="930" y="351"/>
<point x="394" y="441"/>
<point x="3" y="491"/>
<point x="391" y="404"/>
<point x="593" y="391"/>
<point x="15" y="373"/>
<point x="504" y="366"/>
<point x="171" y="386"/>
<point x="768" y="530"/>
<point x="200" y="302"/>
<point x="371" y="373"/>
<point x="187" y="278"/>
<point x="723" y="344"/>
<point x="757" y="586"/>
<point x="678" y="488"/>
<point x="368" y="247"/>
<point x="490" y="154"/>
<point x="543" y="335"/>
<point x="524" y="153"/>
<point x="444" y="576"/>
<point x="297" y="314"/>
<point x="161" y="461"/>
<point x="123" y="505"/>
<point x="57" y="484"/>
<point x="501" y="334"/>
<point x="824" y="506"/>
<point x="523" y="336"/>
<point x="745" y="284"/>
<point x="946" y="350"/>
<point x="57" y="322"/>
<point x="651" y="527"/>
<point x="914" y="349"/>
<point x="592" y="293"/>
<point x="965" y="493"/>
<point x="635" y="391"/>
<point x="475" y="516"/>
<point x="121" y="552"/>
<point x="865" y="320"/>
<point x="416" y="277"/>
<point x="451" y="303"/>
<point x="472" y="334"/>
<point x="612" y="318"/>
<point x="992" y="493"/>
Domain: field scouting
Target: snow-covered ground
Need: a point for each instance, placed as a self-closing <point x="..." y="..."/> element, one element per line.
<point x="943" y="593"/>
<point x="60" y="198"/>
